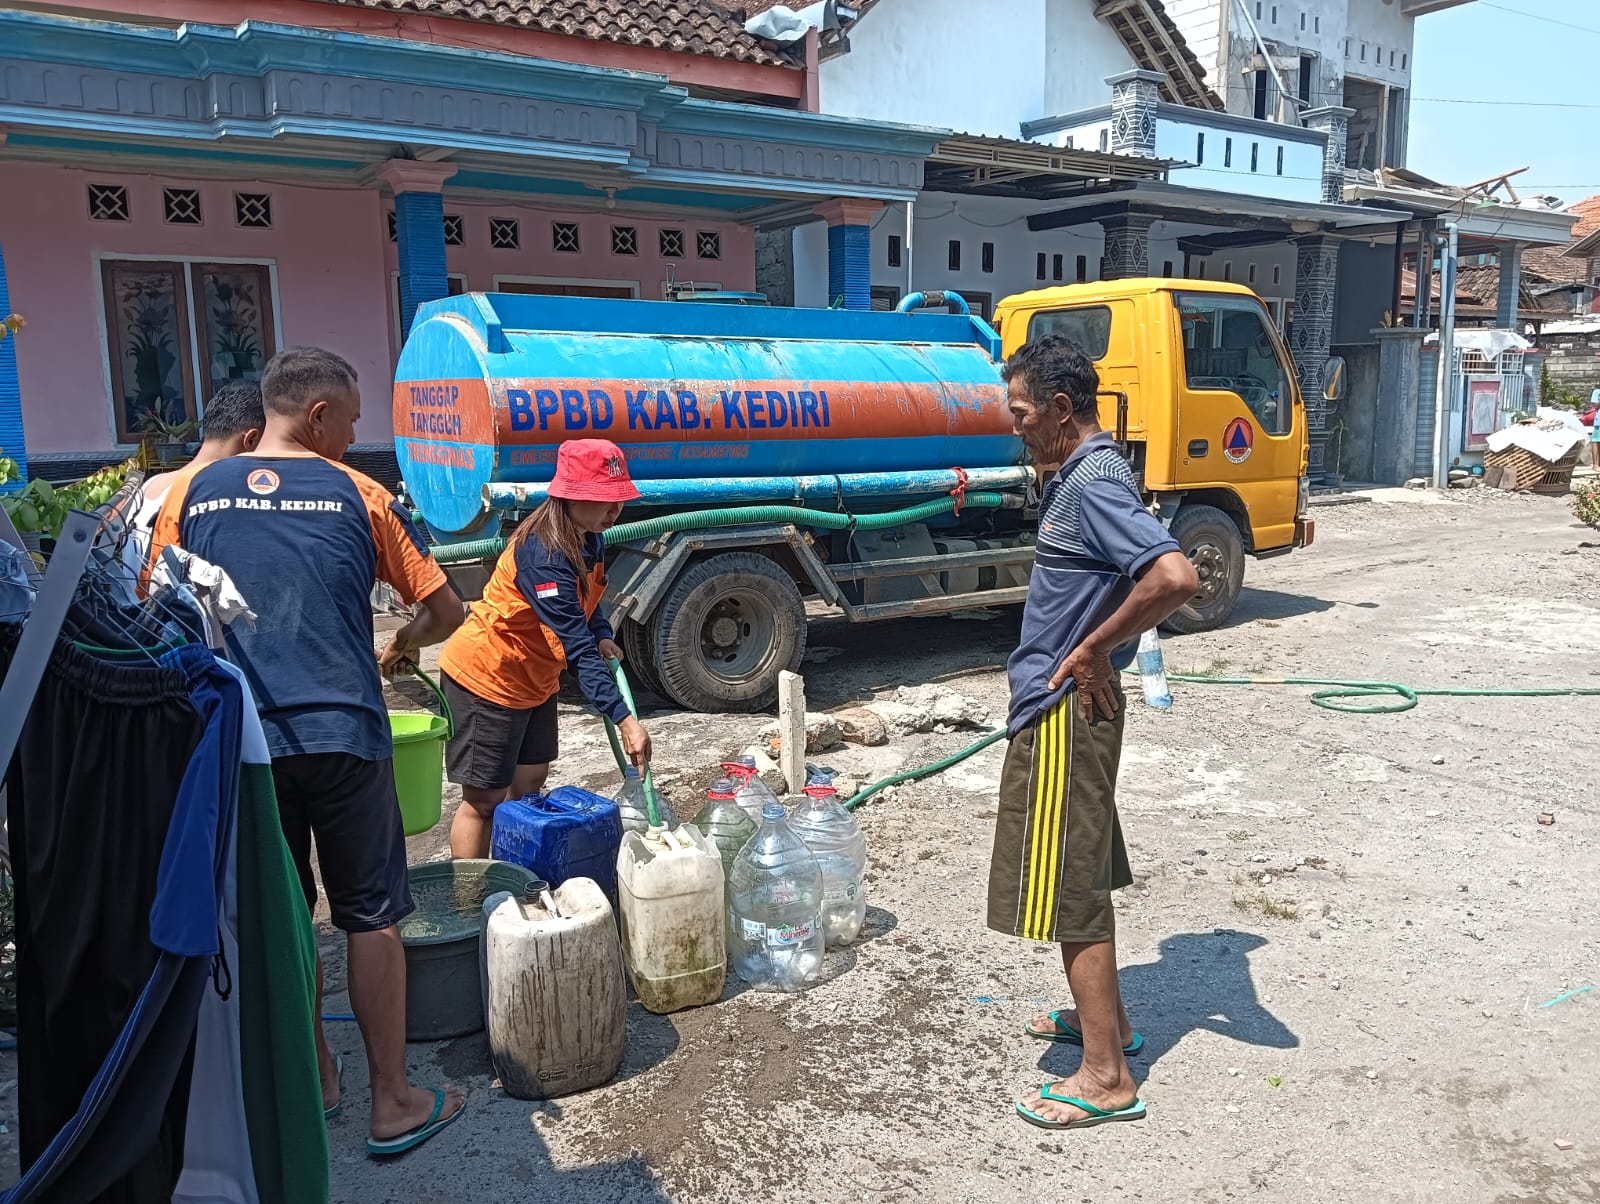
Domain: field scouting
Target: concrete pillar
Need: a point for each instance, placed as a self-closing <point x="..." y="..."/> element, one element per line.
<point x="1506" y="301"/>
<point x="419" y="232"/>
<point x="849" y="250"/>
<point x="1394" y="433"/>
<point x="1134" y="96"/>
<point x="1127" y="246"/>
<point x="1333" y="123"/>
<point x="12" y="443"/>
<point x="1315" y="285"/>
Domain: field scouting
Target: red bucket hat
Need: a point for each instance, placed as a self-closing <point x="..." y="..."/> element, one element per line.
<point x="592" y="470"/>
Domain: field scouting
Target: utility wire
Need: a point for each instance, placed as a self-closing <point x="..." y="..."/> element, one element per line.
<point x="1517" y="12"/>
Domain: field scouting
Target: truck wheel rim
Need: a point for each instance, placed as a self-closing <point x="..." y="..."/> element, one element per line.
<point x="737" y="634"/>
<point x="1211" y="566"/>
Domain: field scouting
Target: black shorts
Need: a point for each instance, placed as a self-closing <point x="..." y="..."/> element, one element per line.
<point x="490" y="740"/>
<point x="349" y="805"/>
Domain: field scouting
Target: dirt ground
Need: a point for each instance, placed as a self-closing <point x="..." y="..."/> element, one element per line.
<point x="1340" y="949"/>
<point x="1343" y="947"/>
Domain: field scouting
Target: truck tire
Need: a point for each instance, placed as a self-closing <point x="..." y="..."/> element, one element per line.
<point x="638" y="665"/>
<point x="724" y="631"/>
<point x="1211" y="542"/>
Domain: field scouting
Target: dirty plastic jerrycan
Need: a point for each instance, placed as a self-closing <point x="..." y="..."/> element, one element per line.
<point x="669" y="881"/>
<point x="836" y="840"/>
<point x="553" y="991"/>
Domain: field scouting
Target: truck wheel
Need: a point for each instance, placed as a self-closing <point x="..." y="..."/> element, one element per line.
<point x="640" y="668"/>
<point x="1211" y="542"/>
<point x="725" y="630"/>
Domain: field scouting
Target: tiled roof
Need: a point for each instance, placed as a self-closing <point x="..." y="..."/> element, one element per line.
<point x="699" y="27"/>
<point x="1553" y="262"/>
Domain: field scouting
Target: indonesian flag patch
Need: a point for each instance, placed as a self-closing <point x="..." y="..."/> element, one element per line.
<point x="547" y="590"/>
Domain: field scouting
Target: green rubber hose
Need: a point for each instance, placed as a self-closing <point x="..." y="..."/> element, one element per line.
<point x="652" y="800"/>
<point x="1395" y="698"/>
<point x="739" y="516"/>
<point x="925" y="771"/>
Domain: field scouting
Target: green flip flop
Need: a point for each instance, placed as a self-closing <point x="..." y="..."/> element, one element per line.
<point x="389" y="1146"/>
<point x="1095" y="1116"/>
<point x="338" y="1070"/>
<point x="1065" y="1032"/>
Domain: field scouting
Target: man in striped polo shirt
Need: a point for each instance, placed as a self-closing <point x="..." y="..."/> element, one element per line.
<point x="1105" y="571"/>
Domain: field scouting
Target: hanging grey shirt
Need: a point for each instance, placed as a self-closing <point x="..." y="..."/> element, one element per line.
<point x="1095" y="537"/>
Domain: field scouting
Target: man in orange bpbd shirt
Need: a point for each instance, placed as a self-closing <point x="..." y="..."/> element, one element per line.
<point x="304" y="538"/>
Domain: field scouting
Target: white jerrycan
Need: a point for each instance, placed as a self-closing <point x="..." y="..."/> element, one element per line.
<point x="669" y="891"/>
<point x="554" y="996"/>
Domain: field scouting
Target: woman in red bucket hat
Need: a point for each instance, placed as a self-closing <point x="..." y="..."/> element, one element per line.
<point x="539" y="612"/>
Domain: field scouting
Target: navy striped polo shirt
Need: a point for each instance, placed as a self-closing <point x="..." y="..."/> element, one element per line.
<point x="1095" y="537"/>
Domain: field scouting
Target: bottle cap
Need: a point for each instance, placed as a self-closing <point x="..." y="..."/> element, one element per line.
<point x="820" y="784"/>
<point x="630" y="771"/>
<point x="772" y="811"/>
<point x="748" y="759"/>
<point x="723" y="788"/>
<point x="532" y="891"/>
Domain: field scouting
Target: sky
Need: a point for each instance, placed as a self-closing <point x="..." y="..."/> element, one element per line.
<point x="1537" y="64"/>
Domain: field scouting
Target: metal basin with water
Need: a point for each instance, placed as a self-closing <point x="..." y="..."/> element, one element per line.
<point x="441" y="939"/>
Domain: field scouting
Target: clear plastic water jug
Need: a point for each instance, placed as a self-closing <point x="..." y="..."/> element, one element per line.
<point x="753" y="794"/>
<point x="775" y="940"/>
<point x="836" y="840"/>
<point x="1153" y="671"/>
<point x="724" y="822"/>
<point x="631" y="804"/>
<point x="671" y="891"/>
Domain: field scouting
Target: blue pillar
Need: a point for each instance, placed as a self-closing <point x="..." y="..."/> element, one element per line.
<point x="12" y="443"/>
<point x="419" y="232"/>
<point x="850" y="251"/>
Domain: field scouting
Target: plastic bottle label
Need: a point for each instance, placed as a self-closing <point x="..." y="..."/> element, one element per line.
<point x="1150" y="662"/>
<point x="792" y="934"/>
<point x="753" y="930"/>
<point x="841" y="894"/>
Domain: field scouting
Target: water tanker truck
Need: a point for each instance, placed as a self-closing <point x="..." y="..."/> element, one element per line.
<point x="862" y="461"/>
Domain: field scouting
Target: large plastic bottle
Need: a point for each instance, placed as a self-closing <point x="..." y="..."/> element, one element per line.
<point x="724" y="822"/>
<point x="775" y="940"/>
<point x="631" y="804"/>
<point x="669" y="882"/>
<point x="553" y="992"/>
<point x="1153" y="671"/>
<point x="754" y="794"/>
<point x="836" y="840"/>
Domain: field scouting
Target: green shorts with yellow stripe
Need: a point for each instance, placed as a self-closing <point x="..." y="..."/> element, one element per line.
<point x="1058" y="851"/>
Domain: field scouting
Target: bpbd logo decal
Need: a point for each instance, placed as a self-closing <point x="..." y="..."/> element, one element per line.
<point x="261" y="482"/>
<point x="1238" y="440"/>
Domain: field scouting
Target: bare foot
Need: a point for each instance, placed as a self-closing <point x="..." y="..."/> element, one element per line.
<point x="1043" y="1026"/>
<point x="1110" y="1097"/>
<point x="328" y="1068"/>
<point x="388" y="1122"/>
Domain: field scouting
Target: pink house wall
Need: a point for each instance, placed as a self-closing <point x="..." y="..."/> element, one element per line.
<point x="326" y="247"/>
<point x="333" y="272"/>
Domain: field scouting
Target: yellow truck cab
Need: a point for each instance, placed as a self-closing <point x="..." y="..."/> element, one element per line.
<point x="1200" y="389"/>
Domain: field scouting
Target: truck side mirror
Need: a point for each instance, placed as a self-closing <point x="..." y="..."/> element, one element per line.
<point x="1335" y="381"/>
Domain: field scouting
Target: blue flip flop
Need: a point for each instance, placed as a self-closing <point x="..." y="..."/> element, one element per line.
<point x="410" y="1140"/>
<point x="1095" y="1116"/>
<point x="338" y="1069"/>
<point x="1065" y="1032"/>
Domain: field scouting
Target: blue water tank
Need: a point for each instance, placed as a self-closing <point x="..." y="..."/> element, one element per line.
<point x="489" y="385"/>
<point x="566" y="833"/>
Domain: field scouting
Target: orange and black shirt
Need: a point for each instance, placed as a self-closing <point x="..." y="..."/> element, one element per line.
<point x="538" y="612"/>
<point x="304" y="539"/>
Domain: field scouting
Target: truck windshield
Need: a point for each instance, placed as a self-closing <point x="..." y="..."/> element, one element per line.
<point x="1227" y="345"/>
<point x="1088" y="326"/>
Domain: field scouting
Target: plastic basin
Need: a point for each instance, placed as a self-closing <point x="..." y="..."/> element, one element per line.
<point x="444" y="997"/>
<point x="419" y="740"/>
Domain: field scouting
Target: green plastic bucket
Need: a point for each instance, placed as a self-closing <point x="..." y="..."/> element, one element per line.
<point x="419" y="740"/>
